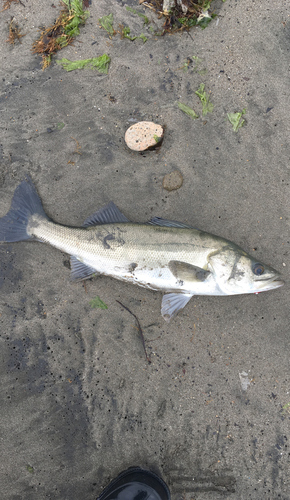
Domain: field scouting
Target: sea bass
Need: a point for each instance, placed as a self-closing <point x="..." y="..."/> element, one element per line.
<point x="161" y="255"/>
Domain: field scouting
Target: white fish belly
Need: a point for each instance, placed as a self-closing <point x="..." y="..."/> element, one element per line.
<point x="155" y="278"/>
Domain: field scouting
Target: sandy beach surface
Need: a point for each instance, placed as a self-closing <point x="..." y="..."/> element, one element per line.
<point x="79" y="401"/>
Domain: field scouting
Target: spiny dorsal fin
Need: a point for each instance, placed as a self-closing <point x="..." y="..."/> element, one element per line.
<point x="186" y="272"/>
<point x="106" y="215"/>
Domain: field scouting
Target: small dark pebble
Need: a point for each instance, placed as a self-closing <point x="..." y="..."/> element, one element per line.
<point x="49" y="130"/>
<point x="173" y="181"/>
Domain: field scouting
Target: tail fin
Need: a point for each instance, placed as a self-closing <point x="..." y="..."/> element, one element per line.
<point x="25" y="203"/>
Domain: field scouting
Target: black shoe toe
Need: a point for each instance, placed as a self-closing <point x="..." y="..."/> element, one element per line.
<point x="136" y="484"/>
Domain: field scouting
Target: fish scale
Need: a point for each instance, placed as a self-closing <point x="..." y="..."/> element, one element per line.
<point x="109" y="246"/>
<point x="161" y="255"/>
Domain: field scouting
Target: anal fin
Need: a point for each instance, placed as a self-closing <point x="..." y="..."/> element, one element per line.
<point x="172" y="303"/>
<point x="79" y="270"/>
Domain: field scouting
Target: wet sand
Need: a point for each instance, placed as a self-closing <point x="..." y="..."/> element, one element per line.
<point x="79" y="401"/>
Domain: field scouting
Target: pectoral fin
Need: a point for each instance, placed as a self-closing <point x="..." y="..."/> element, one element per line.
<point x="186" y="272"/>
<point x="172" y="303"/>
<point x="80" y="271"/>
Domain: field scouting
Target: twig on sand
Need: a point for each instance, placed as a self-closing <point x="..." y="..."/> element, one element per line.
<point x="139" y="329"/>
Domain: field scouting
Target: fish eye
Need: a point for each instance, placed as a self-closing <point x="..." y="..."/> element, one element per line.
<point x="258" y="269"/>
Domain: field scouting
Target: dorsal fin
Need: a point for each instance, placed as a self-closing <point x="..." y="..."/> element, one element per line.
<point x="106" y="215"/>
<point x="158" y="221"/>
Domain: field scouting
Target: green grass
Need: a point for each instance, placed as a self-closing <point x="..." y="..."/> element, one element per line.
<point x="236" y="119"/>
<point x="207" y="106"/>
<point x="98" y="303"/>
<point x="100" y="63"/>
<point x="187" y="110"/>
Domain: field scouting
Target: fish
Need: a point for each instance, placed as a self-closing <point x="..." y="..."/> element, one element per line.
<point x="163" y="255"/>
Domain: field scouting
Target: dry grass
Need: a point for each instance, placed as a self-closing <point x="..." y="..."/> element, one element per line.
<point x="7" y="4"/>
<point x="14" y="32"/>
<point x="61" y="34"/>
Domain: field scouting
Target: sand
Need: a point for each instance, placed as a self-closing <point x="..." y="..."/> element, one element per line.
<point x="79" y="401"/>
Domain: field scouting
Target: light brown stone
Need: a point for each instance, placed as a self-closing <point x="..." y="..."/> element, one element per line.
<point x="172" y="181"/>
<point x="143" y="135"/>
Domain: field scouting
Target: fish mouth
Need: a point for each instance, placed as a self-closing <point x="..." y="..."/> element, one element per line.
<point x="270" y="283"/>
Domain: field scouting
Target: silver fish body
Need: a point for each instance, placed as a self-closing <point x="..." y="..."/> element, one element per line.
<point x="162" y="255"/>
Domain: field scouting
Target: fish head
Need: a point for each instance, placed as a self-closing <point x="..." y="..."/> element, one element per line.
<point x="236" y="272"/>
